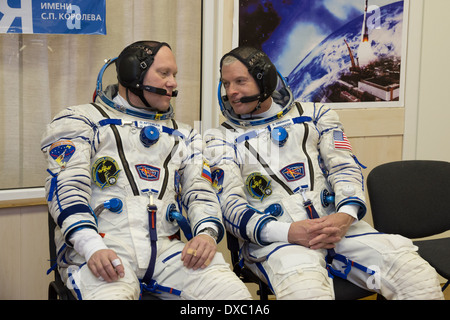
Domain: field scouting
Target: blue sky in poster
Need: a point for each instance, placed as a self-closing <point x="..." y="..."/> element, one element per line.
<point x="305" y="23"/>
<point x="317" y="45"/>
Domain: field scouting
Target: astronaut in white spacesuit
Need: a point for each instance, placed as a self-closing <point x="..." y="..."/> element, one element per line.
<point x="291" y="191"/>
<point x="121" y="172"/>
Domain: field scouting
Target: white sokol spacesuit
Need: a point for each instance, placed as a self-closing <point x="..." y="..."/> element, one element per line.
<point x="295" y="163"/>
<point x="126" y="173"/>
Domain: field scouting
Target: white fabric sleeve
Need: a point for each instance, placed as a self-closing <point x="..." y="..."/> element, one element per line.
<point x="275" y="231"/>
<point x="211" y="225"/>
<point x="86" y="242"/>
<point x="351" y="210"/>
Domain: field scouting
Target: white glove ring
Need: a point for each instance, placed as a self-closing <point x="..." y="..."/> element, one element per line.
<point x="116" y="262"/>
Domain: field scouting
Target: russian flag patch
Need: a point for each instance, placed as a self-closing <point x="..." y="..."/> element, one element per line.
<point x="206" y="172"/>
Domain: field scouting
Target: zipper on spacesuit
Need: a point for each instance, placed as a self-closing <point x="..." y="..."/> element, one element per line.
<point x="305" y="139"/>
<point x="166" y="163"/>
<point x="151" y="209"/>
<point x="310" y="165"/>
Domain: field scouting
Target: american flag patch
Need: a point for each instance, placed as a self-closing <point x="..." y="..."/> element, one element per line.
<point x="341" y="141"/>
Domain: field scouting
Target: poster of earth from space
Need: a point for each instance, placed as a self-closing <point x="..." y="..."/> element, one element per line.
<point x="331" y="51"/>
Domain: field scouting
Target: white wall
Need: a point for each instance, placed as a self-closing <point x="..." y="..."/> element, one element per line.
<point x="433" y="126"/>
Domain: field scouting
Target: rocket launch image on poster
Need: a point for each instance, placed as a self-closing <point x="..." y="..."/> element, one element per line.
<point x="331" y="51"/>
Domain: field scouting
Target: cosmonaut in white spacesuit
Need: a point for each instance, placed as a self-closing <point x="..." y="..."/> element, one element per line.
<point x="121" y="171"/>
<point x="292" y="191"/>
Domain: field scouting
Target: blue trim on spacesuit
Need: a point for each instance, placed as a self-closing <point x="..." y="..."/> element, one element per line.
<point x="233" y="213"/>
<point x="364" y="234"/>
<point x="261" y="268"/>
<point x="216" y="221"/>
<point x="78" y="208"/>
<point x="353" y="201"/>
<point x="255" y="133"/>
<point x="83" y="224"/>
<point x="155" y="287"/>
<point x="243" y="224"/>
<point x="347" y="266"/>
<point x="75" y="287"/>
<point x="259" y="226"/>
<point x="157" y="116"/>
<point x="120" y="122"/>
<point x="171" y="256"/>
<point x="183" y="223"/>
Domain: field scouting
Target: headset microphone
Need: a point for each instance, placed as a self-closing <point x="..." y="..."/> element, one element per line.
<point x="250" y="98"/>
<point x="159" y="91"/>
<point x="245" y="99"/>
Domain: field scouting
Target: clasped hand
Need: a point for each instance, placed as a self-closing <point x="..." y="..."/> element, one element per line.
<point x="321" y="233"/>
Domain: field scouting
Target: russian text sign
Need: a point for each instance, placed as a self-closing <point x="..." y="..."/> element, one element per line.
<point x="53" y="17"/>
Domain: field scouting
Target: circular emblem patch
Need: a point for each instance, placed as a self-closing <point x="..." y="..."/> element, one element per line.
<point x="258" y="186"/>
<point x="105" y="172"/>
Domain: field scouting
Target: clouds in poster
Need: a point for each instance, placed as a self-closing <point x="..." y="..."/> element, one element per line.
<point x="304" y="24"/>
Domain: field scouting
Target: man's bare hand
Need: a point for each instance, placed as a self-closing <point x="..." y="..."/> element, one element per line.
<point x="321" y="233"/>
<point x="301" y="233"/>
<point x="106" y="264"/>
<point x="330" y="229"/>
<point x="199" y="252"/>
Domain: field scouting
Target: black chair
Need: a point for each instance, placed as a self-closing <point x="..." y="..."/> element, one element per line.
<point x="57" y="290"/>
<point x="343" y="289"/>
<point x="244" y="273"/>
<point x="410" y="198"/>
